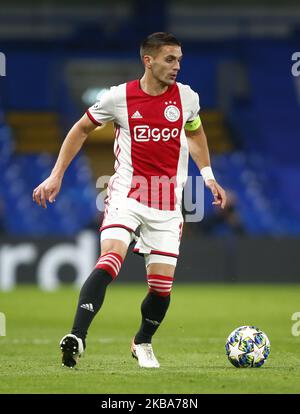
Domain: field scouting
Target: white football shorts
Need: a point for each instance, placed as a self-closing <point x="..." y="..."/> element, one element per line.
<point x="159" y="230"/>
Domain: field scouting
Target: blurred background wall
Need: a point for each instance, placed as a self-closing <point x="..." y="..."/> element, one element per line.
<point x="61" y="55"/>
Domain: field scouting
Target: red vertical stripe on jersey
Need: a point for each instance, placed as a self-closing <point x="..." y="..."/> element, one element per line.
<point x="155" y="124"/>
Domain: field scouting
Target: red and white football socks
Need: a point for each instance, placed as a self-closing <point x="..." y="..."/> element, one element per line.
<point x="93" y="291"/>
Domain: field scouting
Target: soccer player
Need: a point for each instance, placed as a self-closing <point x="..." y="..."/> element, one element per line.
<point x="157" y="125"/>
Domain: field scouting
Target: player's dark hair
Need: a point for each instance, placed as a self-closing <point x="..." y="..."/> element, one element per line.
<point x="153" y="42"/>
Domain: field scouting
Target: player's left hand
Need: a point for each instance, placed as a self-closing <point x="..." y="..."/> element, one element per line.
<point x="218" y="193"/>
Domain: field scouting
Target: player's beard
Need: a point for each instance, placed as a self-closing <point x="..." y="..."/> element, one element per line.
<point x="170" y="81"/>
<point x="165" y="80"/>
<point x="163" y="77"/>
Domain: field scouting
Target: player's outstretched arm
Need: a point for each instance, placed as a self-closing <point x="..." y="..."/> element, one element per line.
<point x="199" y="152"/>
<point x="48" y="189"/>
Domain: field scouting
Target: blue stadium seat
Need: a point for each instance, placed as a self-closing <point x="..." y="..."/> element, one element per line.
<point x="6" y="144"/>
<point x="74" y="210"/>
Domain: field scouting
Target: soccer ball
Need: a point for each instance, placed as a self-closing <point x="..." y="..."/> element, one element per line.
<point x="247" y="347"/>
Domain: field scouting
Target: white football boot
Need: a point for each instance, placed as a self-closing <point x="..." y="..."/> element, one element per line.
<point x="72" y="348"/>
<point x="145" y="355"/>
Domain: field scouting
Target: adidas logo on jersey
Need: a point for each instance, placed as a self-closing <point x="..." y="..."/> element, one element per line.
<point x="88" y="306"/>
<point x="136" y="115"/>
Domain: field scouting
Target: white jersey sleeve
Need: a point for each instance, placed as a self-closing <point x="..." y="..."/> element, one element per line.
<point x="194" y="105"/>
<point x="190" y="102"/>
<point x="103" y="110"/>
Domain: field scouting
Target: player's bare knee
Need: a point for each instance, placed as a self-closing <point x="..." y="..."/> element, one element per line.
<point x="114" y="246"/>
<point x="161" y="269"/>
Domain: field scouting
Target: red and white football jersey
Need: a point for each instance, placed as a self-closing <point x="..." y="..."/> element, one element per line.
<point x="150" y="146"/>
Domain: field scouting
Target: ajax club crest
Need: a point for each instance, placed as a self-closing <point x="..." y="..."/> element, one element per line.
<point x="172" y="113"/>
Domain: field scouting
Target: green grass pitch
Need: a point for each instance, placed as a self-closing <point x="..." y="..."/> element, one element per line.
<point x="189" y="344"/>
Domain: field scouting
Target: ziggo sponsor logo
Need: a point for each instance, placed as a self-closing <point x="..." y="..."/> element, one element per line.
<point x="143" y="133"/>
